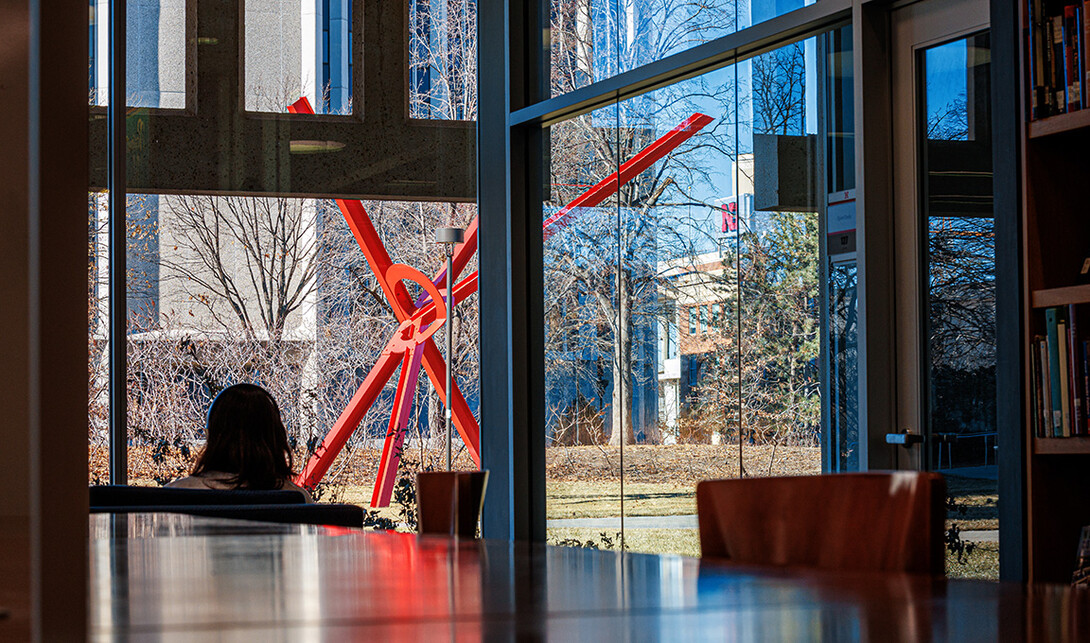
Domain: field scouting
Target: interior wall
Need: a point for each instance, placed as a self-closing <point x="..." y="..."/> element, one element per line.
<point x="43" y="355"/>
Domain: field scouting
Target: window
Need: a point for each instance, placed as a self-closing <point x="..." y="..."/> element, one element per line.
<point x="264" y="281"/>
<point x="750" y="380"/>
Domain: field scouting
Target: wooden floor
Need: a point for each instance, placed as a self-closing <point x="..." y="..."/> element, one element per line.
<point x="165" y="576"/>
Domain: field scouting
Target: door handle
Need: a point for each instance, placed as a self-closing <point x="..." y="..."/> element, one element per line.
<point x="905" y="439"/>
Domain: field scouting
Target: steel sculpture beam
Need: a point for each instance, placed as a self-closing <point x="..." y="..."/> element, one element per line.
<point x="412" y="345"/>
<point x="629" y="170"/>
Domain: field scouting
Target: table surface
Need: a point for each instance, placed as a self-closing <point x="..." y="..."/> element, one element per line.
<point x="172" y="576"/>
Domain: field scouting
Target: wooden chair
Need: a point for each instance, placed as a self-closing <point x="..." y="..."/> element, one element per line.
<point x="449" y="502"/>
<point x="890" y="522"/>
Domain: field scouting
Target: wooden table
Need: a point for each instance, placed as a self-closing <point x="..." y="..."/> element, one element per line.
<point x="176" y="576"/>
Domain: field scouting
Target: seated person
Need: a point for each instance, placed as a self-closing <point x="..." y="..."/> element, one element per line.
<point x="247" y="445"/>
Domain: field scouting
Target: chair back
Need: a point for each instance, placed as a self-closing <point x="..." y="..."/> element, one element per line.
<point x="851" y="521"/>
<point x="449" y="502"/>
<point x="124" y="496"/>
<point x="340" y="515"/>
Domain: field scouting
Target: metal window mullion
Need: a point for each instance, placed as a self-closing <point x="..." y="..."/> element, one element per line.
<point x="118" y="305"/>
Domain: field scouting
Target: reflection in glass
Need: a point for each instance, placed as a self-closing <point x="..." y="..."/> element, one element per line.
<point x="957" y="202"/>
<point x="696" y="347"/>
<point x="443" y="59"/>
<point x="154" y="58"/>
<point x="958" y="224"/>
<point x="292" y="53"/>
<point x="843" y="368"/>
<point x="592" y="40"/>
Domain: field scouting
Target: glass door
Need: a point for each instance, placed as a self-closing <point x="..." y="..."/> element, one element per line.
<point x="945" y="266"/>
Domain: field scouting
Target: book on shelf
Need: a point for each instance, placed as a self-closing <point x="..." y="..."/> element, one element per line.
<point x="1044" y="393"/>
<point x="1074" y="371"/>
<point x="1072" y="29"/>
<point x="1085" y="389"/>
<point x="1081" y="577"/>
<point x="1053" y="360"/>
<point x="1060" y="376"/>
<point x="1036" y="399"/>
<point x="1057" y="34"/>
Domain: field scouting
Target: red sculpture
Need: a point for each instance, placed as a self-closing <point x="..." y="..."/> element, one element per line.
<point x="412" y="345"/>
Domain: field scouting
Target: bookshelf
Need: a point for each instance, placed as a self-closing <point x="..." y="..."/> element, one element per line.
<point x="1062" y="446"/>
<point x="1055" y="239"/>
<point x="1063" y="296"/>
<point x="1059" y="124"/>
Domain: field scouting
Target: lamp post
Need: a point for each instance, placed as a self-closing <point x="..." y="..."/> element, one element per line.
<point x="449" y="237"/>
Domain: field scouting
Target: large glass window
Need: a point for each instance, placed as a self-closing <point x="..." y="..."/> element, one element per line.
<point x="703" y="197"/>
<point x="229" y="283"/>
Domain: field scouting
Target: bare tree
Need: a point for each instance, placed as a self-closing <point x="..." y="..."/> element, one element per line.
<point x="254" y="256"/>
<point x="443" y="59"/>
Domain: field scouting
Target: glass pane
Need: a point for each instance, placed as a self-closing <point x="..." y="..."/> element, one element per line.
<point x="779" y="264"/>
<point x="712" y="300"/>
<point x="155" y="56"/>
<point x="237" y="272"/>
<point x="583" y="421"/>
<point x="292" y="53"/>
<point x="591" y="40"/>
<point x="443" y="59"/>
<point x="98" y="411"/>
<point x="956" y="165"/>
<point x="210" y="307"/>
<point x="680" y="219"/>
<point x="841" y="451"/>
<point x="843" y="376"/>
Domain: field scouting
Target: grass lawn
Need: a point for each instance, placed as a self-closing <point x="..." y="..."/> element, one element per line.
<point x="585" y="499"/>
<point x="684" y="542"/>
<point x="361" y="495"/>
<point x="983" y="563"/>
<point x="976" y="503"/>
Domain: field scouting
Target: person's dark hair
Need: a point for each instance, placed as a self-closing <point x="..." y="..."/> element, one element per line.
<point x="247" y="438"/>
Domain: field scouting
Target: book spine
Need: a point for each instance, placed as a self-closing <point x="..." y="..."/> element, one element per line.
<point x="1035" y="388"/>
<point x="1080" y="54"/>
<point x="1084" y="40"/>
<point x="1034" y="57"/>
<point x="1065" y="386"/>
<point x="1044" y="46"/>
<point x="1074" y="364"/>
<point x="1072" y="70"/>
<point x="1085" y="428"/>
<point x="1059" y="88"/>
<point x="1051" y="318"/>
<point x="1046" y="389"/>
